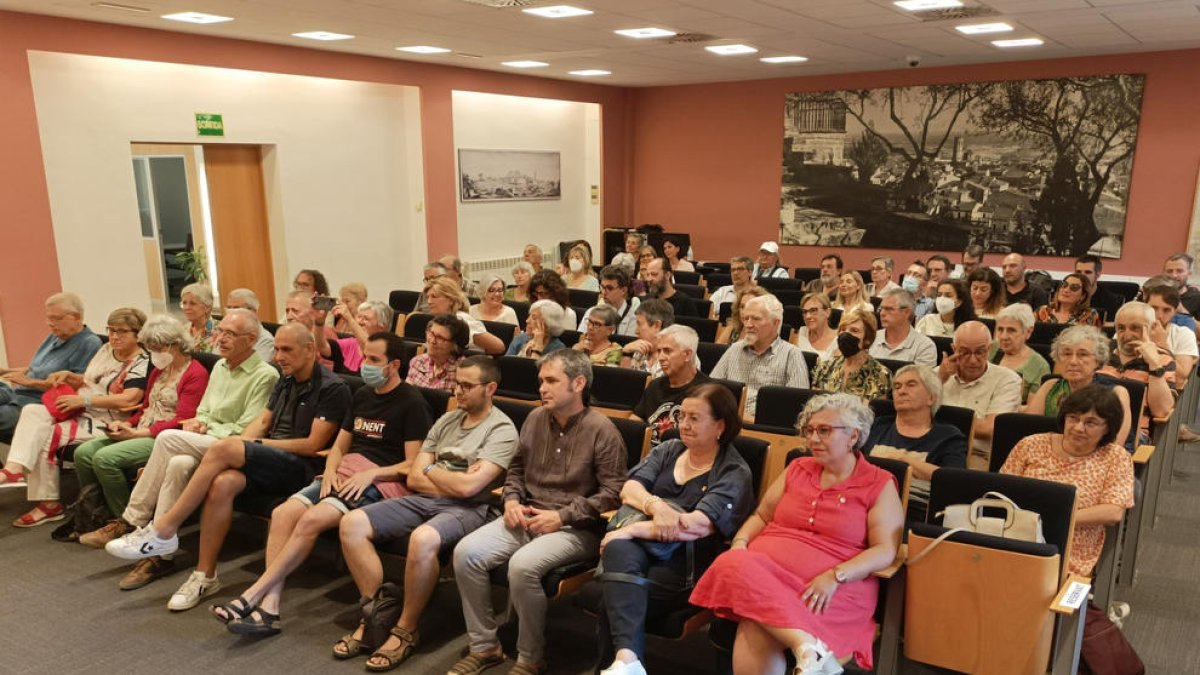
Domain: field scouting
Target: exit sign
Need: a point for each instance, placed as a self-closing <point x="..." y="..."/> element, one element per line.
<point x="209" y="124"/>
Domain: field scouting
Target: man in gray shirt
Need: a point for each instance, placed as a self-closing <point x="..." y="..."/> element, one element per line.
<point x="760" y="356"/>
<point x="898" y="341"/>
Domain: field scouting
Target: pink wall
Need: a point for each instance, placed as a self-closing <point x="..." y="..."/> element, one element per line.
<point x="29" y="271"/>
<point x="707" y="158"/>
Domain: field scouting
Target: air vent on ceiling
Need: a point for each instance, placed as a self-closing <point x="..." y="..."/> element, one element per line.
<point x="503" y="3"/>
<point x="690" y="38"/>
<point x="956" y="13"/>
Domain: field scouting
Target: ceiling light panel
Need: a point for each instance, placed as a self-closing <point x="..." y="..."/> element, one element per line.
<point x="525" y="64"/>
<point x="558" y="11"/>
<point x="926" y="5"/>
<point x="644" y="33"/>
<point x="784" y="59"/>
<point x="984" y="28"/>
<point x="197" y="17"/>
<point x="323" y="35"/>
<point x="423" y="49"/>
<point x="1020" y="42"/>
<point x="731" y="50"/>
<point x="591" y="72"/>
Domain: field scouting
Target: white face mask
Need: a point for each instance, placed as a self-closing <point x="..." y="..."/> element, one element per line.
<point x="161" y="360"/>
<point x="944" y="305"/>
<point x="575" y="264"/>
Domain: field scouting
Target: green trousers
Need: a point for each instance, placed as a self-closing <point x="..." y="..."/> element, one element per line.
<point x="104" y="461"/>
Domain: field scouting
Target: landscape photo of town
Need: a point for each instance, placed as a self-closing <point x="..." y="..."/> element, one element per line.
<point x="492" y="175"/>
<point x="1041" y="167"/>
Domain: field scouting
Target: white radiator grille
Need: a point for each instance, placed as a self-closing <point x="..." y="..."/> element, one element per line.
<point x="502" y="267"/>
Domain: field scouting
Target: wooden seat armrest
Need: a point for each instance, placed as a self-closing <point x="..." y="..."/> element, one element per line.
<point x="890" y="571"/>
<point x="322" y="453"/>
<point x="1074" y="587"/>
<point x="1143" y="454"/>
<point x="608" y="515"/>
<point x="1161" y="420"/>
<point x="498" y="492"/>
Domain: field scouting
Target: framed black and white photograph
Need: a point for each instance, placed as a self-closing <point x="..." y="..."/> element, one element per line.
<point x="1041" y="167"/>
<point x="509" y="175"/>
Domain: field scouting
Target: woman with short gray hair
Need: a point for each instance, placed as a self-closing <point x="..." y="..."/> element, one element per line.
<point x="1014" y="325"/>
<point x="1079" y="353"/>
<point x="491" y="305"/>
<point x="196" y="301"/>
<point x="596" y="341"/>
<point x="542" y="328"/>
<point x="175" y="387"/>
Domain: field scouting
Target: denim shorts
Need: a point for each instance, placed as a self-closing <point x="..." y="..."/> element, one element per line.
<point x="311" y="495"/>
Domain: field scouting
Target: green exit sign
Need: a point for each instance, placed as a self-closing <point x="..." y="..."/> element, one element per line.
<point x="209" y="124"/>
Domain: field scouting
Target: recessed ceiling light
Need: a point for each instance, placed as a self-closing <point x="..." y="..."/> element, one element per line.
<point x="731" y="50"/>
<point x="925" y="5"/>
<point x="423" y="49"/>
<point x="1020" y="42"/>
<point x="982" y="28"/>
<point x="525" y="64"/>
<point x="642" y="33"/>
<point x="323" y="35"/>
<point x="197" y="17"/>
<point x="592" y="72"/>
<point x="783" y="59"/>
<point x="558" y="11"/>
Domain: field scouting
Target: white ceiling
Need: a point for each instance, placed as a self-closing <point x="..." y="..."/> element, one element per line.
<point x="836" y="35"/>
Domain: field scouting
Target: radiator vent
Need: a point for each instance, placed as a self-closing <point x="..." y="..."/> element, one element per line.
<point x="956" y="13"/>
<point x="501" y="267"/>
<point x="502" y="3"/>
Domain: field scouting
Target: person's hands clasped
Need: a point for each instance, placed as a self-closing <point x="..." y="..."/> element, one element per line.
<point x="666" y="522"/>
<point x="542" y="521"/>
<point x="120" y="431"/>
<point x="353" y="487"/>
<point x="69" y="403"/>
<point x="194" y="426"/>
<point x="514" y="514"/>
<point x="614" y="535"/>
<point x="820" y="592"/>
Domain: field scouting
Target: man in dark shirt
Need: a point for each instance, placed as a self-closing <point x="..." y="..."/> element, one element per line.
<point x="1019" y="290"/>
<point x="1179" y="268"/>
<point x="569" y="469"/>
<point x="661" y="285"/>
<point x="660" y="402"/>
<point x="275" y="455"/>
<point x="1103" y="300"/>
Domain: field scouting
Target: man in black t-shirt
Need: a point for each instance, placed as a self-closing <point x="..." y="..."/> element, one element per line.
<point x="659" y="407"/>
<point x="661" y="284"/>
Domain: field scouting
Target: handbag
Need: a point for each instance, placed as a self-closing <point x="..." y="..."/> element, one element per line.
<point x="1105" y="651"/>
<point x="49" y="399"/>
<point x="381" y="613"/>
<point x="1015" y="523"/>
<point x="658" y="550"/>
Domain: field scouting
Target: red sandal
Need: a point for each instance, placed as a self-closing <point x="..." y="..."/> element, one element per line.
<point x="41" y="514"/>
<point x="12" y="479"/>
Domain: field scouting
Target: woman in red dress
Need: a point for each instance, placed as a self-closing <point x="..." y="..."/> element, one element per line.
<point x="798" y="575"/>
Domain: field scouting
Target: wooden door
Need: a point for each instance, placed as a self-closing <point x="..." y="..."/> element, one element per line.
<point x="238" y="206"/>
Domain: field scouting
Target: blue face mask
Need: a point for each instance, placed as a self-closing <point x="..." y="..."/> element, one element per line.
<point x="911" y="284"/>
<point x="372" y="376"/>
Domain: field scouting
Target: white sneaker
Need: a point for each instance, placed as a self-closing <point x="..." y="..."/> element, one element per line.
<point x="196" y="588"/>
<point x="819" y="660"/>
<point x="622" y="668"/>
<point x="142" y="543"/>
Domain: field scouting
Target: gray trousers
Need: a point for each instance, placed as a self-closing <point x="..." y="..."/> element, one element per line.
<point x="529" y="558"/>
<point x="176" y="455"/>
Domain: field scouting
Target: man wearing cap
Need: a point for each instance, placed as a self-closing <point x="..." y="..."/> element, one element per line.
<point x="768" y="262"/>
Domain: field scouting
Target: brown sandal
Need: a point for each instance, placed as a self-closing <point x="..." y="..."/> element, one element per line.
<point x="394" y="657"/>
<point x="353" y="647"/>
<point x="474" y="664"/>
<point x="522" y="668"/>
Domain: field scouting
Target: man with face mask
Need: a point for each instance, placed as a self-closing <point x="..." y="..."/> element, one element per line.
<point x="969" y="381"/>
<point x="938" y="269"/>
<point x="760" y="356"/>
<point x="660" y="284"/>
<point x="898" y="340"/>
<point x="914" y="282"/>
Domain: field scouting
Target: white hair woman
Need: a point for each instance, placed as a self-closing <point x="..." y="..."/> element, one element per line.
<point x="1014" y="325"/>
<point x="491" y="305"/>
<point x="542" y="328"/>
<point x="175" y="387"/>
<point x="196" y="301"/>
<point x="1079" y="353"/>
<point x="522" y="274"/>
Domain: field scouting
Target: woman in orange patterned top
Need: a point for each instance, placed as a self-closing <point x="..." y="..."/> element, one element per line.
<point x="1071" y="304"/>
<point x="1085" y="455"/>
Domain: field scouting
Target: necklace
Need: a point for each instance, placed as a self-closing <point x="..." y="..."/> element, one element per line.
<point x="695" y="468"/>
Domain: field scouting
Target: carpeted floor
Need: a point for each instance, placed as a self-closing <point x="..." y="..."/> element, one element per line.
<point x="62" y="611"/>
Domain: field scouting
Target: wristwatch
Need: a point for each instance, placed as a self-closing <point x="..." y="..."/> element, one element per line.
<point x="428" y="467"/>
<point x="1157" y="372"/>
<point x="840" y="576"/>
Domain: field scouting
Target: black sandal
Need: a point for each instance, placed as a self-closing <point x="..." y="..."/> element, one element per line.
<point x="258" y="623"/>
<point x="353" y="646"/>
<point x="237" y="608"/>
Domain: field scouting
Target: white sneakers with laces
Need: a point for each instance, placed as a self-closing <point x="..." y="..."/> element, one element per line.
<point x="196" y="588"/>
<point x="817" y="659"/>
<point x="622" y="668"/>
<point x="142" y="543"/>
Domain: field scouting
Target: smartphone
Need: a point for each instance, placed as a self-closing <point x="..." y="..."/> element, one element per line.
<point x="323" y="302"/>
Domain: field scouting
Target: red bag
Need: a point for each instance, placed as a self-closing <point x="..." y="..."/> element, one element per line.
<point x="49" y="399"/>
<point x="1105" y="651"/>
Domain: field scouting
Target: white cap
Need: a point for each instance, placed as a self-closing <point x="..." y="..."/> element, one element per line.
<point x="769" y="247"/>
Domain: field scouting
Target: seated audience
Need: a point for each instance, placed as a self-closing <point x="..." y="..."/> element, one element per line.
<point x="769" y="264"/>
<point x="828" y="281"/>
<point x="731" y="332"/>
<point x="615" y="294"/>
<point x="545" y="323"/>
<point x="652" y="317"/>
<point x="196" y="301"/>
<point x="173" y="392"/>
<point x="465" y="454"/>
<point x="915" y="281"/>
<point x="552" y="514"/>
<point x="299" y="308"/>
<point x="739" y="272"/>
<point x="238" y="389"/>
<point x="851" y="369"/>
<point x="522" y="273"/>
<point x="275" y="456"/>
<point x="851" y="294"/>
<point x="953" y="307"/>
<point x="881" y="276"/>
<point x="1103" y="301"/>
<point x="1138" y="358"/>
<point x="988" y="296"/>
<point x="1072" y="304"/>
<point x="107" y="392"/>
<point x="1163" y="298"/>
<point x="1078" y="352"/>
<point x="70" y="346"/>
<point x="1016" y="288"/>
<point x="244" y="298"/>
<point x="579" y="266"/>
<point x="628" y="257"/>
<point x="689" y="495"/>
<point x="445" y="297"/>
<point x="673" y="251"/>
<point x="548" y="285"/>
<point x="1086" y="453"/>
<point x="969" y="381"/>
<point x="660" y="283"/>
<point x="937" y="272"/>
<point x="645" y="254"/>
<point x="601" y="351"/>
<point x="379" y="437"/>
<point x="972" y="259"/>
<point x="1014" y="325"/>
<point x="445" y="346"/>
<point x="351" y="295"/>
<point x="798" y="574"/>
<point x="676" y="356"/>
<point x="453" y="265"/>
<point x="491" y="305"/>
<point x="914" y="437"/>
<point x="1178" y="266"/>
<point x="816" y="335"/>
<point x="372" y="316"/>
<point x="311" y="282"/>
<point x="533" y="255"/>
<point x="898" y="340"/>
<point x="761" y="357"/>
<point x="1181" y="316"/>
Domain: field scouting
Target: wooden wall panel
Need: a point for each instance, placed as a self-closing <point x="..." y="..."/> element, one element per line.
<point x="237" y="203"/>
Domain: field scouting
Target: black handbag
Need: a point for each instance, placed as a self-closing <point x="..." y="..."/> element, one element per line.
<point x="659" y="550"/>
<point x="381" y="613"/>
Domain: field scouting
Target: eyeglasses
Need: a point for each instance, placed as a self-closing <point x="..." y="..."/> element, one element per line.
<point x="609" y="288"/>
<point x="886" y="308"/>
<point x="1073" y="287"/>
<point x="118" y="331"/>
<point x="189" y="303"/>
<point x="431" y="336"/>
<point x="980" y="353"/>
<point x="467" y="387"/>
<point x="692" y="420"/>
<point x="739" y="268"/>
<point x="811" y="310"/>
<point x="1075" y="354"/>
<point x="823" y="431"/>
<point x="592" y="323"/>
<point x="223" y="332"/>
<point x="55" y="318"/>
<point x="495" y="290"/>
<point x="1089" y="423"/>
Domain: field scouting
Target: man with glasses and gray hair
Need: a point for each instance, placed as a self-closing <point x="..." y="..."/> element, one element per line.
<point x="614" y="292"/>
<point x="760" y="356"/>
<point x="676" y="352"/>
<point x="969" y="381"/>
<point x="741" y="274"/>
<point x="244" y="298"/>
<point x="898" y="340"/>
